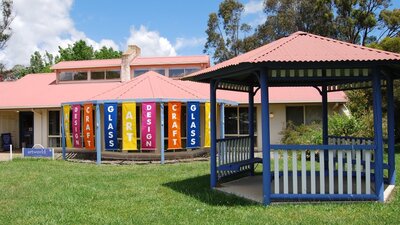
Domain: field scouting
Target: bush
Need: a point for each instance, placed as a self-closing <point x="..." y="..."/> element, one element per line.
<point x="302" y="134"/>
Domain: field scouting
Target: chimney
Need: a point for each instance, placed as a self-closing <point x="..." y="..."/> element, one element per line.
<point x="132" y="52"/>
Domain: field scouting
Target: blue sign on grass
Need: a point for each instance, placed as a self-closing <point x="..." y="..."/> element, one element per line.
<point x="38" y="152"/>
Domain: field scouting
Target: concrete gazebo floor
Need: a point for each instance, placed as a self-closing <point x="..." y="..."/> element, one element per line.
<point x="251" y="187"/>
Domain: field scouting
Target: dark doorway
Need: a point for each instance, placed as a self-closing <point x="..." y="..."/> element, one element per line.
<point x="26" y="129"/>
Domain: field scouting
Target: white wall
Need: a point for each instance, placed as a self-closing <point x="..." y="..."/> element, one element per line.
<point x="9" y="121"/>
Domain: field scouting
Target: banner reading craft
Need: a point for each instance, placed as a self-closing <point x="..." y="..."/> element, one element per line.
<point x="88" y="126"/>
<point x="193" y="125"/>
<point x="207" y="126"/>
<point x="67" y="110"/>
<point x="76" y="125"/>
<point x="110" y="126"/>
<point x="148" y="126"/>
<point x="129" y="139"/>
<point x="174" y="125"/>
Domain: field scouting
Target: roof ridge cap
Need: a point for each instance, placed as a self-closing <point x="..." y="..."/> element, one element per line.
<point x="192" y="92"/>
<point x="289" y="39"/>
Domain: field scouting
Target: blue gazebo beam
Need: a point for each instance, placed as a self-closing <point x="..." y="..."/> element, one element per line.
<point x="251" y="126"/>
<point x="378" y="138"/>
<point x="213" y="149"/>
<point x="266" y="148"/>
<point x="390" y="127"/>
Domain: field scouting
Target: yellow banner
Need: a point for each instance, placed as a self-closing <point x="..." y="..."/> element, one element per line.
<point x="129" y="138"/>
<point x="207" y="126"/>
<point x="67" y="123"/>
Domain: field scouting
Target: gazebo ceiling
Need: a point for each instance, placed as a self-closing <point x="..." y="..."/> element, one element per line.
<point x="303" y="59"/>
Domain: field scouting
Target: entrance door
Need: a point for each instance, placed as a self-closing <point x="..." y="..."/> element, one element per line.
<point x="26" y="129"/>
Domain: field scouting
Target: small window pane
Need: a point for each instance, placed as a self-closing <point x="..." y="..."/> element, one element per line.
<point x="113" y="74"/>
<point x="97" y="75"/>
<point x="295" y="114"/>
<point x="176" y="72"/>
<point x="54" y="122"/>
<point x="65" y="76"/>
<point x="191" y="70"/>
<point x="81" y="76"/>
<point x="231" y="120"/>
<point x="244" y="120"/>
<point x="137" y="73"/>
<point x="160" y="71"/>
<point x="313" y="114"/>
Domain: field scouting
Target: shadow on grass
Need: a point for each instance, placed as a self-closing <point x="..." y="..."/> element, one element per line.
<point x="199" y="188"/>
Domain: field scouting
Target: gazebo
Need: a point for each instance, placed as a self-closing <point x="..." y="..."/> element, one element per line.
<point x="342" y="168"/>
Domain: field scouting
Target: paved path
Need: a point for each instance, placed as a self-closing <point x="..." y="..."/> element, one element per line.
<point x="5" y="156"/>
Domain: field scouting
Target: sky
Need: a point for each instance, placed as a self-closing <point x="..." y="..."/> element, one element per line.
<point x="158" y="27"/>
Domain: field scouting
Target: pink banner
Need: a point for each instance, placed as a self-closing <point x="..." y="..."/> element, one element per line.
<point x="76" y="125"/>
<point x="149" y="116"/>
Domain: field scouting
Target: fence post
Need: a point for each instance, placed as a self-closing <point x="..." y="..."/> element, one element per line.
<point x="391" y="127"/>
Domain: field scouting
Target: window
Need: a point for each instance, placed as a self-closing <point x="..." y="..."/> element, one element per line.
<point x="237" y="121"/>
<point x="191" y="70"/>
<point x="304" y="114"/>
<point x="160" y="71"/>
<point x="69" y="76"/>
<point x="113" y="74"/>
<point x="295" y="114"/>
<point x="176" y="72"/>
<point x="97" y="75"/>
<point x="231" y="120"/>
<point x="139" y="72"/>
<point x="54" y="129"/>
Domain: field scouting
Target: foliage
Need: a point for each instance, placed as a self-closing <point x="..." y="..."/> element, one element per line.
<point x="107" y="53"/>
<point x="59" y="192"/>
<point x="5" y="21"/>
<point x="302" y="134"/>
<point x="223" y="32"/>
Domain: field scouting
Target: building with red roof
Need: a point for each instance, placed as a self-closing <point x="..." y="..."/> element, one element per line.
<point x="30" y="107"/>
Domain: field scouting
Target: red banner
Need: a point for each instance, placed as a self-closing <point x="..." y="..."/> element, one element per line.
<point x="76" y="125"/>
<point x="148" y="136"/>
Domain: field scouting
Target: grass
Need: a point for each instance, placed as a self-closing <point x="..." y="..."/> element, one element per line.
<point x="58" y="192"/>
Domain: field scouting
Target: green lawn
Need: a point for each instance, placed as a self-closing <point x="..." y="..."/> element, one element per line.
<point x="58" y="192"/>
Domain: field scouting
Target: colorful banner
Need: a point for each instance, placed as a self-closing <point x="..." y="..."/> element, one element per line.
<point x="193" y="125"/>
<point x="148" y="126"/>
<point x="88" y="134"/>
<point x="67" y="110"/>
<point x="174" y="125"/>
<point x="76" y="125"/>
<point x="129" y="138"/>
<point x="110" y="126"/>
<point x="207" y="126"/>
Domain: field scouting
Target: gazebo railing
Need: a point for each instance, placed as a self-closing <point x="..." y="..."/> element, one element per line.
<point x="231" y="152"/>
<point x="303" y="172"/>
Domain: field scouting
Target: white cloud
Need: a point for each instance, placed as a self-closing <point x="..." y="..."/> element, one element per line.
<point x="181" y="43"/>
<point x="41" y="25"/>
<point x="253" y="7"/>
<point x="150" y="42"/>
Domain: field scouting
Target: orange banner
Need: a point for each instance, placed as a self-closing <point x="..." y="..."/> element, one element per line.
<point x="88" y="126"/>
<point x="174" y="125"/>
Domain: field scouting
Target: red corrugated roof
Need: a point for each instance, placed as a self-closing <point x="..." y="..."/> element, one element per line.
<point x="41" y="91"/>
<point x="306" y="47"/>
<point x="139" y="61"/>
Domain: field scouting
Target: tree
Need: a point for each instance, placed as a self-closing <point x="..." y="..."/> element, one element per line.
<point x="5" y="22"/>
<point x="78" y="51"/>
<point x="223" y="32"/>
<point x="41" y="64"/>
<point x="107" y="53"/>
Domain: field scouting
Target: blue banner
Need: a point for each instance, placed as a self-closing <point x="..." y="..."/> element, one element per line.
<point x="38" y="152"/>
<point x="110" y="126"/>
<point x="193" y="125"/>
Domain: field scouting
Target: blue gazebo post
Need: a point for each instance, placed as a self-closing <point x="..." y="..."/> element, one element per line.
<point x="390" y="127"/>
<point x="251" y="126"/>
<point x="266" y="148"/>
<point x="64" y="150"/>
<point x="98" y="135"/>
<point x="222" y="120"/>
<point x="213" y="149"/>
<point x="378" y="139"/>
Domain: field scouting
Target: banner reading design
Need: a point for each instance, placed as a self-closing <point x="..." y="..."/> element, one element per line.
<point x="174" y="125"/>
<point x="76" y="125"/>
<point x="110" y="126"/>
<point x="129" y="138"/>
<point x="193" y="125"/>
<point x="67" y="110"/>
<point x="148" y="126"/>
<point x="88" y="135"/>
<point x="207" y="126"/>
